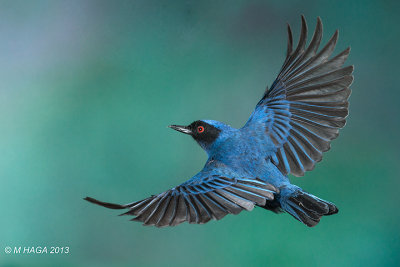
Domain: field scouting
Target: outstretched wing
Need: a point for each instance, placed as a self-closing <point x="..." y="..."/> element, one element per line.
<point x="307" y="103"/>
<point x="211" y="194"/>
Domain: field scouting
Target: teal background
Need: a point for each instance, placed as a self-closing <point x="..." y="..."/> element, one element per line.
<point x="87" y="89"/>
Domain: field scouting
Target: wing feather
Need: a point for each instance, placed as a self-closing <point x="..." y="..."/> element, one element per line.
<point x="307" y="104"/>
<point x="199" y="200"/>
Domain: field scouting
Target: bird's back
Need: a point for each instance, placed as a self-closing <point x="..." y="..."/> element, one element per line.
<point x="246" y="151"/>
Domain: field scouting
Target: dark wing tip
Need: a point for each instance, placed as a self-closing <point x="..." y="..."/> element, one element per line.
<point x="319" y="28"/>
<point x="319" y="22"/>
<point x="303" y="20"/>
<point x="105" y="204"/>
<point x="348" y="70"/>
<point x="346" y="51"/>
<point x="303" y="35"/>
<point x="290" y="41"/>
<point x="336" y="35"/>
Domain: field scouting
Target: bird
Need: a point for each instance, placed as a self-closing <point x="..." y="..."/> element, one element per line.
<point x="290" y="128"/>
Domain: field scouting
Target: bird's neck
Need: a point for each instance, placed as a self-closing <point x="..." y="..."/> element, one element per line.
<point x="219" y="146"/>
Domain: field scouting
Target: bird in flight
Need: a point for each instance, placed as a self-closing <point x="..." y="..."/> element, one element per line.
<point x="287" y="133"/>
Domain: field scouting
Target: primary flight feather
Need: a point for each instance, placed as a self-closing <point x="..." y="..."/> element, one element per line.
<point x="290" y="128"/>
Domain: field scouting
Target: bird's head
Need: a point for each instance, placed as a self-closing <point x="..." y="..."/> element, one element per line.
<point x="205" y="132"/>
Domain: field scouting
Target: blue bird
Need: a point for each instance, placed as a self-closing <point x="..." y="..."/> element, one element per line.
<point x="290" y="128"/>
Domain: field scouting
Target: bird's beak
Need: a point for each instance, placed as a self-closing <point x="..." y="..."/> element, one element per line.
<point x="182" y="129"/>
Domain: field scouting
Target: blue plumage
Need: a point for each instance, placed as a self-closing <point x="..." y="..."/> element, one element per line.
<point x="290" y="128"/>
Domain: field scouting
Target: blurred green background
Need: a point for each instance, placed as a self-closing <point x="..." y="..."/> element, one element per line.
<point x="88" y="88"/>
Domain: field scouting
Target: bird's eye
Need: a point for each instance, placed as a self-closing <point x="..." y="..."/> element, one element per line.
<point x="200" y="129"/>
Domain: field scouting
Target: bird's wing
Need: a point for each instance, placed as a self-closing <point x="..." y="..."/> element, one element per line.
<point x="211" y="194"/>
<point x="307" y="104"/>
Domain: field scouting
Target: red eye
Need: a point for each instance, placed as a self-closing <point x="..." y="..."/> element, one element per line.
<point x="200" y="129"/>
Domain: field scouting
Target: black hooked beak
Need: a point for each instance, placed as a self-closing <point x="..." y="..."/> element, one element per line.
<point x="182" y="129"/>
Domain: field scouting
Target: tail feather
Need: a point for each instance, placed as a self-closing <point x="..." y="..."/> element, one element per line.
<point x="308" y="208"/>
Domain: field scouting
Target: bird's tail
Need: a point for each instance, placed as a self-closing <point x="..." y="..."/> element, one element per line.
<point x="305" y="207"/>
